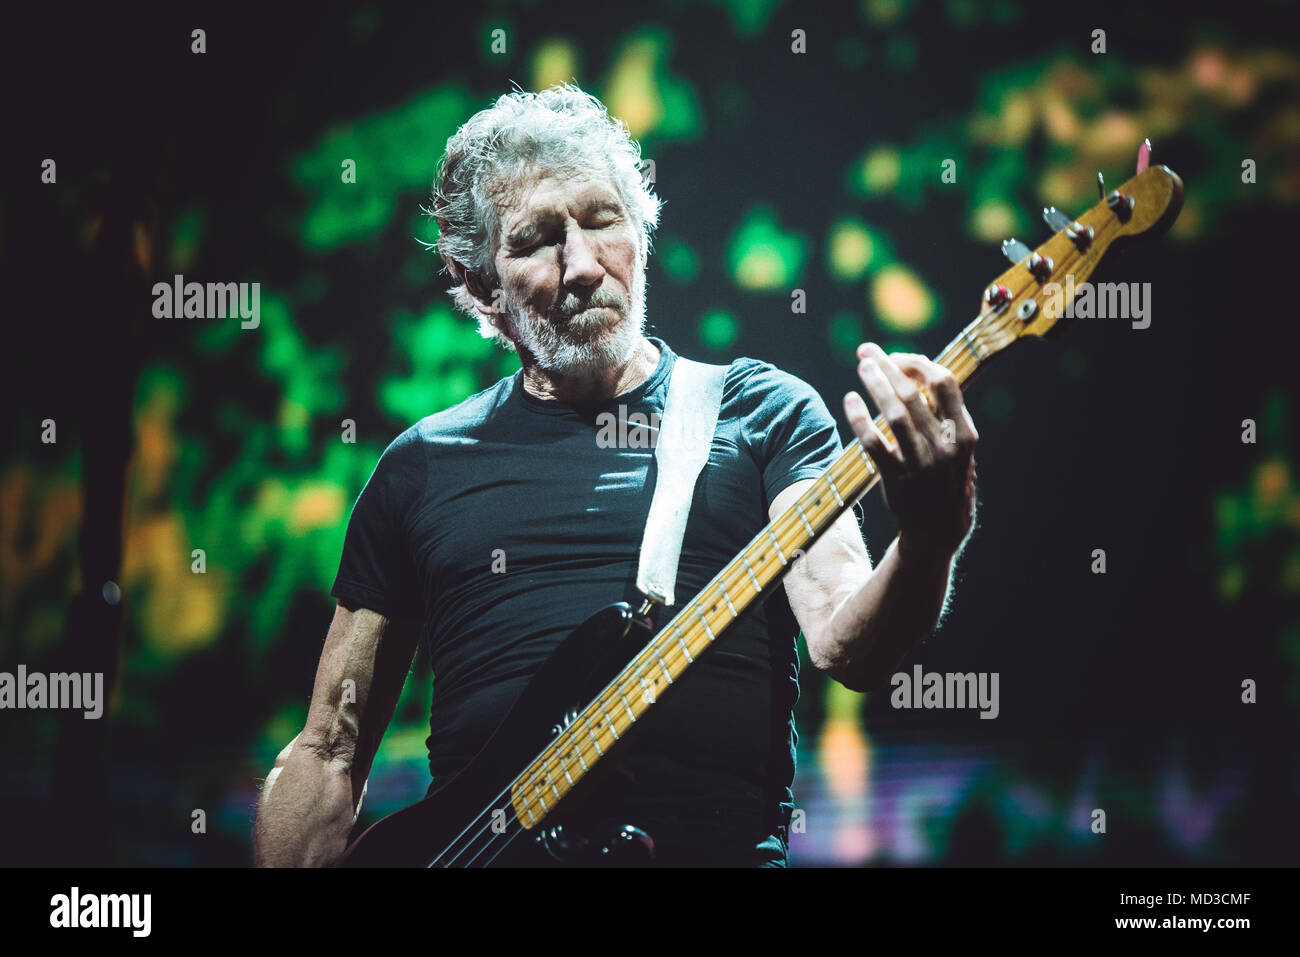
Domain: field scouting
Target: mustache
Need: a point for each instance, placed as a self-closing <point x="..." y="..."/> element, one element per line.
<point x="571" y="305"/>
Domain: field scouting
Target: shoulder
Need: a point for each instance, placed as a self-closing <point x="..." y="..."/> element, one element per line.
<point x="409" y="450"/>
<point x="757" y="383"/>
<point x="464" y="416"/>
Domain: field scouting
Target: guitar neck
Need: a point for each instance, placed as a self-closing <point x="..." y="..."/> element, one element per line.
<point x="748" y="578"/>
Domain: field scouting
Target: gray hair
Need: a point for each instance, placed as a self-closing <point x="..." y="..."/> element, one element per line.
<point x="561" y="129"/>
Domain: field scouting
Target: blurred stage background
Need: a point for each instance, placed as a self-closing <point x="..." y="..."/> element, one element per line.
<point x="818" y="171"/>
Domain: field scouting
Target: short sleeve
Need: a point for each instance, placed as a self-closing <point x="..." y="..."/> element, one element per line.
<point x="793" y="431"/>
<point x="377" y="570"/>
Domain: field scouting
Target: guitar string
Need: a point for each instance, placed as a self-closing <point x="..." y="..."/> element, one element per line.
<point x="962" y="366"/>
<point x="504" y="844"/>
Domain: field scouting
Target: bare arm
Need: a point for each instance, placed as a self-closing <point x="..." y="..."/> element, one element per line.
<point x="860" y="622"/>
<point x="312" y="796"/>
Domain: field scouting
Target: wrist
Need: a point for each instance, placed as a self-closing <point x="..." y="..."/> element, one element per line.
<point x="922" y="551"/>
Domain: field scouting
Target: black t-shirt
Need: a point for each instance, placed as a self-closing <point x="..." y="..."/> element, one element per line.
<point x="502" y="523"/>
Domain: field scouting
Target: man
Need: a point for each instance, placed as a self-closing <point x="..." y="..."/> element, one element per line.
<point x="496" y="526"/>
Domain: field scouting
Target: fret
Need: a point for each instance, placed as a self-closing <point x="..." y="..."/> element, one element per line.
<point x="541" y="800"/>
<point x="565" y="769"/>
<point x="749" y="568"/>
<point x="803" y="518"/>
<point x="871" y="466"/>
<point x="677" y="629"/>
<point x="625" y="704"/>
<point x="727" y="599"/>
<point x="700" y="611"/>
<point x="777" y="545"/>
<point x="667" y="674"/>
<point x="600" y="752"/>
<point x="578" y="753"/>
<point x="834" y="491"/>
<point x="531" y="784"/>
<point x="973" y="345"/>
<point x="647" y="688"/>
<point x="556" y="790"/>
<point x="532" y="818"/>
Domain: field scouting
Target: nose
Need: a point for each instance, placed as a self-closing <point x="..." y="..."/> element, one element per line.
<point x="581" y="266"/>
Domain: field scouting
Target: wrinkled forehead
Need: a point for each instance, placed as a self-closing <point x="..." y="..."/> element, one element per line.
<point x="536" y="193"/>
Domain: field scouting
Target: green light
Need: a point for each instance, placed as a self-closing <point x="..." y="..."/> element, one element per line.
<point x="679" y="260"/>
<point x="719" y="329"/>
<point x="845" y="334"/>
<point x="763" y="256"/>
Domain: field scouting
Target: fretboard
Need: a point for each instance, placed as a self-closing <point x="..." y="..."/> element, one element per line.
<point x="748" y="578"/>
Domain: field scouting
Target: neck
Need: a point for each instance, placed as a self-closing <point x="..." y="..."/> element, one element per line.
<point x="590" y="387"/>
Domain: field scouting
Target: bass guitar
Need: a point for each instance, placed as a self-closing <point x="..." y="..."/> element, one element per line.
<point x="607" y="676"/>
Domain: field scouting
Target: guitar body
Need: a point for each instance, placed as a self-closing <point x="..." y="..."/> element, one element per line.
<point x="427" y="832"/>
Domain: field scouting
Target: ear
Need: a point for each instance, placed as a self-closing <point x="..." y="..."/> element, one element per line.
<point x="484" y="299"/>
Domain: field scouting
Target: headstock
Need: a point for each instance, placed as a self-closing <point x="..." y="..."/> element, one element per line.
<point x="1023" y="300"/>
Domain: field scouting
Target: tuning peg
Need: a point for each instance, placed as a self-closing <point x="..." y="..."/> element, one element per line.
<point x="997" y="296"/>
<point x="1055" y="219"/>
<point x="1101" y="186"/>
<point x="1014" y="250"/>
<point x="1075" y="231"/>
<point x="1144" y="155"/>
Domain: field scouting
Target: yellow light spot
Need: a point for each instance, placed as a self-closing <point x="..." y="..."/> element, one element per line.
<point x="881" y="169"/>
<point x="1060" y="185"/>
<point x="851" y="250"/>
<point x="293" y="415"/>
<point x="843" y="753"/>
<point x="901" y="300"/>
<point x="556" y="61"/>
<point x="1059" y="119"/>
<point x="316" y="505"/>
<point x="761" y="268"/>
<point x="882" y="11"/>
<point x="633" y="94"/>
<point x="1018" y="114"/>
<point x="1114" y="134"/>
<point x="181" y="609"/>
<point x="1207" y="67"/>
<point x="1271" y="481"/>
<point x="993" y="220"/>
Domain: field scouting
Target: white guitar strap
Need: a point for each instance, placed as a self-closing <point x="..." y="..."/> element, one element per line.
<point x="686" y="428"/>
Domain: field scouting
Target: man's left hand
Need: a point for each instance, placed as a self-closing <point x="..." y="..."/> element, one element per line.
<point x="929" y="475"/>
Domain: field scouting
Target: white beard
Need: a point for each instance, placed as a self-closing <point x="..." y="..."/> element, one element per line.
<point x="587" y="345"/>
